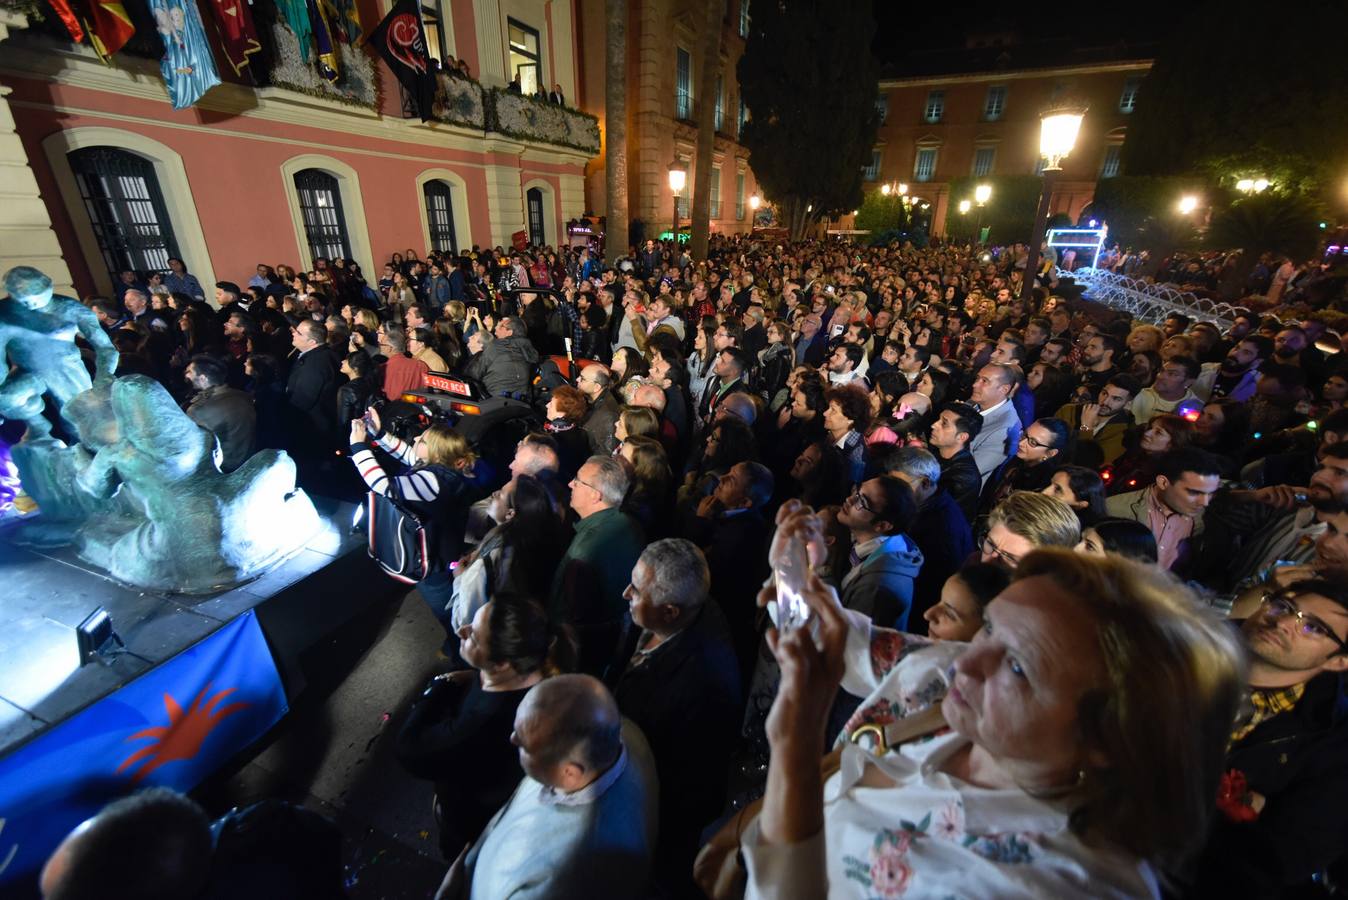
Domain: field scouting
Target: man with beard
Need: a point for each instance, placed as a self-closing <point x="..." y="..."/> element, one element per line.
<point x="1235" y="376"/>
<point x="1101" y="426"/>
<point x="1099" y="358"/>
<point x="1281" y="802"/>
<point x="1250" y="531"/>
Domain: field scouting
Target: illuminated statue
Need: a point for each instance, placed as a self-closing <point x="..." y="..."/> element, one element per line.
<point x="37" y="346"/>
<point x="182" y="525"/>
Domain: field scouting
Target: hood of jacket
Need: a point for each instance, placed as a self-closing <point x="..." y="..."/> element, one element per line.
<point x="517" y="345"/>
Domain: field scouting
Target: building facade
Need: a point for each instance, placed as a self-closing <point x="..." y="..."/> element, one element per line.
<point x="664" y="38"/>
<point x="99" y="173"/>
<point x="975" y="112"/>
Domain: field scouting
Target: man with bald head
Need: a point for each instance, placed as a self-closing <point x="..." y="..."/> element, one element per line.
<point x="582" y="823"/>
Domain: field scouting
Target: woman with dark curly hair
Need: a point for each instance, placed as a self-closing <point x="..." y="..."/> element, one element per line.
<point x="1137" y="466"/>
<point x="846" y="419"/>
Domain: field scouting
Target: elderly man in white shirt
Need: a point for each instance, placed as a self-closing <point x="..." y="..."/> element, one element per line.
<point x="991" y="393"/>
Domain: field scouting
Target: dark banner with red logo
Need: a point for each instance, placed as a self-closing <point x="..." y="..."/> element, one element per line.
<point x="401" y="41"/>
<point x="238" y="36"/>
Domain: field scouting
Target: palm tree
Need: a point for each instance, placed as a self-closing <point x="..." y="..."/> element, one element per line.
<point x="709" y="67"/>
<point x="1284" y="224"/>
<point x="615" y="131"/>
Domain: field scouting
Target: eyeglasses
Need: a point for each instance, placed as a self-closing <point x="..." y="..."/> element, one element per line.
<point x="1034" y="443"/>
<point x="991" y="549"/>
<point x="1277" y="606"/>
<point x="860" y="500"/>
<point x="577" y="480"/>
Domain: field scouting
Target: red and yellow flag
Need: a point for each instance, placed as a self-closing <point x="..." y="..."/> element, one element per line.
<point x="111" y="27"/>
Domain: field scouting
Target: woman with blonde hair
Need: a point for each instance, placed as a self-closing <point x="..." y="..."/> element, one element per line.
<point x="440" y="482"/>
<point x="1088" y="723"/>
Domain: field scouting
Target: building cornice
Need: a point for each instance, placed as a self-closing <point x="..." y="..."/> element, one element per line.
<point x="1131" y="65"/>
<point x="78" y="67"/>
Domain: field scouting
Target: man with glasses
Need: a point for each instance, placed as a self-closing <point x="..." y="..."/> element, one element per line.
<point x="1023" y="522"/>
<point x="1284" y="799"/>
<point x="884" y="560"/>
<point x="596" y="382"/>
<point x="588" y="589"/>
<point x="402" y="373"/>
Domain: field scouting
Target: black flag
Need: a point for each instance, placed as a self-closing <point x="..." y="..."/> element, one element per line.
<point x="401" y="40"/>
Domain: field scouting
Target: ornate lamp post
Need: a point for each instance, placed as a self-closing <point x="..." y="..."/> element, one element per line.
<point x="982" y="194"/>
<point x="678" y="177"/>
<point x="1058" y="129"/>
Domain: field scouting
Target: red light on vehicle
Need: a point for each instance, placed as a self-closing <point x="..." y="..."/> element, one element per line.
<point x="1106" y="475"/>
<point x="412" y="398"/>
<point x="467" y="409"/>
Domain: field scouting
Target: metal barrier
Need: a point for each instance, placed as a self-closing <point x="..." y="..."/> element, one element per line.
<point x="1149" y="302"/>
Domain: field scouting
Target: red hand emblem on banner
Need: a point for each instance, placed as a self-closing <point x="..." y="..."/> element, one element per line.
<point x="404" y="41"/>
<point x="183" y="736"/>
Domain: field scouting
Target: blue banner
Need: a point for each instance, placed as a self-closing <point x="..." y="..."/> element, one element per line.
<point x="172" y="726"/>
<point x="188" y="65"/>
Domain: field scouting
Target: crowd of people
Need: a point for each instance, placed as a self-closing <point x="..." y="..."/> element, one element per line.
<point x="1071" y="607"/>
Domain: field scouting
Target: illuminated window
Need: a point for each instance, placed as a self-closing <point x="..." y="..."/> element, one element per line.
<point x="524" y="57"/>
<point x="683" y="84"/>
<point x="1111" y="166"/>
<point x="995" y="104"/>
<point x="1128" y="99"/>
<point x="935" y="106"/>
<point x="924" y="168"/>
<point x="984" y="157"/>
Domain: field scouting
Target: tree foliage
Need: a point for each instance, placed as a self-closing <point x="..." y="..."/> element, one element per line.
<point x="1139" y="208"/>
<point x="810" y="83"/>
<point x="1232" y="99"/>
<point x="1274" y="222"/>
<point x="880" y="214"/>
<point x="1008" y="215"/>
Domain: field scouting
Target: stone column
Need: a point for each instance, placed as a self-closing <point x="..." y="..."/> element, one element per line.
<point x="26" y="235"/>
<point x="505" y="203"/>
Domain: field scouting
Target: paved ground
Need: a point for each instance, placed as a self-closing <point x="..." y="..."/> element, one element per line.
<point x="334" y="753"/>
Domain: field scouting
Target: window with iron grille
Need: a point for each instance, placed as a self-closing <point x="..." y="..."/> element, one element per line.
<point x="1128" y="99"/>
<point x="983" y="160"/>
<point x="744" y="18"/>
<point x="925" y="166"/>
<point x="1111" y="166"/>
<point x="739" y="196"/>
<point x="320" y="199"/>
<point x="716" y="192"/>
<point x="121" y="194"/>
<point x="935" y="106"/>
<point x="440" y="216"/>
<point x="995" y="104"/>
<point x="683" y="84"/>
<point x="720" y="102"/>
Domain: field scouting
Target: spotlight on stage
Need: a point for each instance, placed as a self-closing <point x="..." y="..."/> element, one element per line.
<point x="96" y="639"/>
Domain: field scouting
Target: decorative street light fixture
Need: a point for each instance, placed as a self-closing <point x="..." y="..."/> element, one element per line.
<point x="885" y="189"/>
<point x="1058" y="129"/>
<point x="965" y="206"/>
<point x="678" y="177"/>
<point x="1188" y="203"/>
<point x="1252" y="185"/>
<point x="754" y="202"/>
<point x="982" y="193"/>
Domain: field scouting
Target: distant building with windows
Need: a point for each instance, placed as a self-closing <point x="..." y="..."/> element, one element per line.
<point x="101" y="174"/>
<point x="974" y="111"/>
<point x="663" y="99"/>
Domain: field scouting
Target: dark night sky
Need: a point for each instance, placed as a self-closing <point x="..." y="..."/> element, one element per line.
<point x="905" y="27"/>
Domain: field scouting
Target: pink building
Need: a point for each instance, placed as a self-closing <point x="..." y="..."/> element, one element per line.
<point x="99" y="173"/>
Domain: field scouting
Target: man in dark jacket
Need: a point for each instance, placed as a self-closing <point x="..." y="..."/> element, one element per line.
<point x="956" y="426"/>
<point x="677" y="678"/>
<point x="311" y="393"/>
<point x="506" y="365"/>
<point x="1290" y="748"/>
<point x="940" y="531"/>
<point x="222" y="410"/>
<point x="885" y="561"/>
<point x="732" y="531"/>
<point x="596" y="382"/>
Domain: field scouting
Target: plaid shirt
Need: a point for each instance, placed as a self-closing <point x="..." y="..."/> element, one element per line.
<point x="1263" y="705"/>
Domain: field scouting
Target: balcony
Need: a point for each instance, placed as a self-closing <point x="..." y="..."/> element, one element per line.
<point x="534" y="119"/>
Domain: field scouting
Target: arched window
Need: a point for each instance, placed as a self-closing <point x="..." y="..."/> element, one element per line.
<point x="440" y="216"/>
<point x="534" y="201"/>
<point x="321" y="210"/>
<point x="126" y="208"/>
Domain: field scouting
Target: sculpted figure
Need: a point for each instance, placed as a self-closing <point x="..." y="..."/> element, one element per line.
<point x="37" y="346"/>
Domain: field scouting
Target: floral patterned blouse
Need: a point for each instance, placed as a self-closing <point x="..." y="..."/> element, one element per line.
<point x="931" y="835"/>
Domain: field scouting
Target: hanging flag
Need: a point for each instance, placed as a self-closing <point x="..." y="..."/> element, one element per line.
<point x="296" y="15"/>
<point x="329" y="67"/>
<point x="69" y="19"/>
<point x="110" y="27"/>
<point x="238" y="36"/>
<point x="347" y="24"/>
<point x="401" y="41"/>
<point x="188" y="66"/>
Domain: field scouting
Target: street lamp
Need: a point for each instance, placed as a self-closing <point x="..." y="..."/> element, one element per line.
<point x="754" y="202"/>
<point x="885" y="188"/>
<point x="982" y="194"/>
<point x="965" y="206"/>
<point x="1058" y="129"/>
<point x="1188" y="203"/>
<point x="678" y="177"/>
<point x="1252" y="185"/>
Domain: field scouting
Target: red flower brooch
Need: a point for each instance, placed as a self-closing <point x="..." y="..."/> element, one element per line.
<point x="1233" y="797"/>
